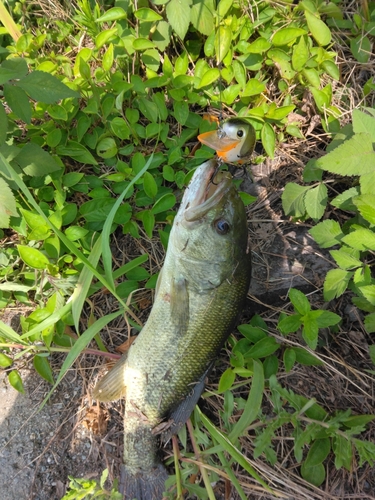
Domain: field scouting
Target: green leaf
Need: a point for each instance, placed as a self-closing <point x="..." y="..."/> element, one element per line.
<point x="74" y="233"/>
<point x="336" y="283"/>
<point x="318" y="28"/>
<point x="321" y="99"/>
<point x="178" y="14"/>
<point x="313" y="78"/>
<point x="300" y="301"/>
<point x="310" y="330"/>
<point x="36" y="162"/>
<point x="314" y="475"/>
<point x="76" y="151"/>
<point x="161" y="38"/>
<point x="45" y="87"/>
<point x="12" y="69"/>
<point x="226" y="380"/>
<point x="209" y="77"/>
<point x="107" y="60"/>
<point x="223" y="7"/>
<point x="358" y="421"/>
<point x="327" y="318"/>
<point x="256" y="87"/>
<point x="268" y="139"/>
<point x="345" y="260"/>
<point x="101" y="39"/>
<point x="366" y="206"/>
<point x="290" y="324"/>
<point x="332" y="69"/>
<point x="363" y="123"/>
<point x="259" y="46"/>
<point x="202" y="16"/>
<point x="361" y="239"/>
<point x="148" y="219"/>
<point x="181" y="111"/>
<point x="15" y="381"/>
<point x="142" y="44"/>
<point x="289" y="359"/>
<point x="361" y="48"/>
<point x="343" y="451"/>
<point x="33" y="257"/>
<point x="42" y="366"/>
<point x="149" y="185"/>
<point x="262" y="348"/>
<point x="344" y="199"/>
<point x="293" y="199"/>
<point x="7" y="204"/>
<point x="120" y="128"/>
<point x="252" y="333"/>
<point x="370" y="323"/>
<point x="318" y="452"/>
<point x="316" y="201"/>
<point x="306" y="358"/>
<point x="113" y="14"/>
<point x="18" y="101"/>
<point x="355" y="156"/>
<point x="146" y="14"/>
<point x="165" y="203"/>
<point x="286" y="36"/>
<point x="300" y="54"/>
<point x="5" y="361"/>
<point x="3" y="124"/>
<point x="327" y="233"/>
<point x="246" y="198"/>
<point x="223" y="40"/>
<point x="106" y="148"/>
<point x="368" y="291"/>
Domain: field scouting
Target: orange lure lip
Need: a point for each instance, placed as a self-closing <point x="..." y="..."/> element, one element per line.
<point x="220" y="144"/>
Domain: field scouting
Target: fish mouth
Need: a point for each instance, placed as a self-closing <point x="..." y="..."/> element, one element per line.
<point x="218" y="141"/>
<point x="208" y="186"/>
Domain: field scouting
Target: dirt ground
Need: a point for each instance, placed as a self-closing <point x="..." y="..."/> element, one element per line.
<point x="70" y="436"/>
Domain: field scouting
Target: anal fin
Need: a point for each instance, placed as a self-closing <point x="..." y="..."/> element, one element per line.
<point x="180" y="415"/>
<point x="112" y="385"/>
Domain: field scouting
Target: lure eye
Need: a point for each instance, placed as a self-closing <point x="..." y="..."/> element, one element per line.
<point x="222" y="226"/>
<point x="240" y="133"/>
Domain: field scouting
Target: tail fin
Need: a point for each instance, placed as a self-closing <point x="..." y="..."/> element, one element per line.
<point x="143" y="485"/>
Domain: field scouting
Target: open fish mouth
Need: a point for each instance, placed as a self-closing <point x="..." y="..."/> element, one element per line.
<point x="207" y="187"/>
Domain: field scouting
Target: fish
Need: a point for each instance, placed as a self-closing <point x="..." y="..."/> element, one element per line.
<point x="200" y="292"/>
<point x="233" y="141"/>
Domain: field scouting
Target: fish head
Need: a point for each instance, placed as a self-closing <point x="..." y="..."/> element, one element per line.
<point x="209" y="233"/>
<point x="233" y="141"/>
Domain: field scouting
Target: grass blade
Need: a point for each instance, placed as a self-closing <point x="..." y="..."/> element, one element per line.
<point x="231" y="449"/>
<point x="253" y="402"/>
<point x="84" y="281"/>
<point x="80" y="345"/>
<point x="9" y="333"/>
<point x="106" y="250"/>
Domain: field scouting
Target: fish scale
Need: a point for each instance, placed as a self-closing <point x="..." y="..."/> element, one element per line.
<point x="200" y="292"/>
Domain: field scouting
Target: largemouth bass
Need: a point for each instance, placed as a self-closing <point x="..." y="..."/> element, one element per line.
<point x="200" y="292"/>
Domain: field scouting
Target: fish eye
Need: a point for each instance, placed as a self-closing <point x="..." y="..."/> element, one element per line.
<point x="222" y="226"/>
<point x="240" y="132"/>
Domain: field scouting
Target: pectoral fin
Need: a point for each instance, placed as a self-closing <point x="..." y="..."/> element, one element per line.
<point x="179" y="298"/>
<point x="112" y="385"/>
<point x="180" y="415"/>
<point x="158" y="281"/>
